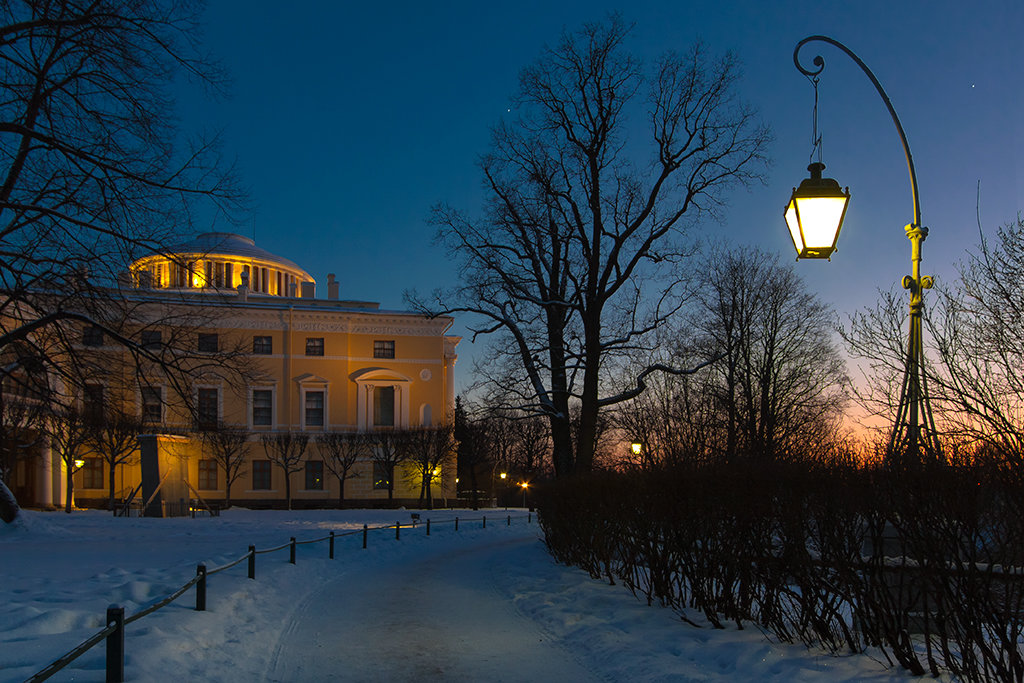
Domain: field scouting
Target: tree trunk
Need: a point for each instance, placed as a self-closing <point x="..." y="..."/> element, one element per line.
<point x="288" y="487"/>
<point x="341" y="493"/>
<point x="111" y="479"/>
<point x="227" y="494"/>
<point x="69" y="495"/>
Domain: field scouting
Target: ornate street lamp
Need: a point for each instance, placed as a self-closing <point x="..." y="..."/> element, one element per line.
<point x="815" y="214"/>
<point x="914" y="430"/>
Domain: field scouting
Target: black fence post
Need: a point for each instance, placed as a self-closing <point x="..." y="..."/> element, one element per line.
<point x="398" y="531"/>
<point x="115" y="645"/>
<point x="529" y="518"/>
<point x="509" y="521"/>
<point x="456" y="523"/>
<point x="364" y="537"/>
<point x="428" y="526"/>
<point x="252" y="562"/>
<point x="485" y="521"/>
<point x="291" y="554"/>
<point x="331" y="546"/>
<point x="201" y="588"/>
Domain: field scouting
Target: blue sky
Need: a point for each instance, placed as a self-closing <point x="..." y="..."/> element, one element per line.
<point x="349" y="122"/>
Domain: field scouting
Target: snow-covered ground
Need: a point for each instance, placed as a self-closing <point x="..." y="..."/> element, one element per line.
<point x="477" y="604"/>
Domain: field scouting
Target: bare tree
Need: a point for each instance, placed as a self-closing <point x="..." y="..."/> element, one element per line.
<point x="580" y="253"/>
<point x="430" y="450"/>
<point x="340" y="452"/>
<point x="286" y="450"/>
<point x="387" y="453"/>
<point x="227" y="445"/>
<point x="779" y="375"/>
<point x="473" y="451"/>
<point x="95" y="172"/>
<point x="114" y="435"/>
<point x="68" y="431"/>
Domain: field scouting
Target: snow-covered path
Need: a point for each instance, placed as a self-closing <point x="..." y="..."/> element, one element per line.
<point x="443" y="615"/>
<point x="478" y="604"/>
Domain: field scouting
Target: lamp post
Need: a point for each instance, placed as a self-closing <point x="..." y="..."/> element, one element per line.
<point x="814" y="216"/>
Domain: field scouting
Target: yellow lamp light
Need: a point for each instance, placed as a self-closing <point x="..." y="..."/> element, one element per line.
<point x="815" y="214"/>
<point x="504" y="474"/>
<point x="636" y="447"/>
<point x="79" y="463"/>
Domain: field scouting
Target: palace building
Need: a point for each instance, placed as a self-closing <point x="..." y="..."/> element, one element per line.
<point x="313" y="363"/>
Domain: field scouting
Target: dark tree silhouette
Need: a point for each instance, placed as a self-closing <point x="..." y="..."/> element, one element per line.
<point x="227" y="445"/>
<point x="580" y="253"/>
<point x="340" y="452"/>
<point x="286" y="450"/>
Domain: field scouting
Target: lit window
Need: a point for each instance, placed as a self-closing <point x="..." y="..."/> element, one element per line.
<point x="208" y="474"/>
<point x="260" y="475"/>
<point x="314" y="475"/>
<point x="314" y="346"/>
<point x="314" y="408"/>
<point x="262" y="407"/>
<point x="384" y="348"/>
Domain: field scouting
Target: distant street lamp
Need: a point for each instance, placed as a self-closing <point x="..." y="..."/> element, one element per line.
<point x="525" y="486"/>
<point x="636" y="447"/>
<point x="814" y="216"/>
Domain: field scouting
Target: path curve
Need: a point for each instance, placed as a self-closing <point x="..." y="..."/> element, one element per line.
<point x="447" y="618"/>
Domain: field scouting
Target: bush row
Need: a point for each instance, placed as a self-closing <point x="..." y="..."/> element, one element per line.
<point x="924" y="565"/>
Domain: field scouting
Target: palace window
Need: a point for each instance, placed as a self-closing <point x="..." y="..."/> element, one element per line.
<point x="263" y="345"/>
<point x="384" y="406"/>
<point x="92" y="335"/>
<point x="314" y="409"/>
<point x="208" y="474"/>
<point x="381" y="477"/>
<point x="152" y="405"/>
<point x="92" y="402"/>
<point x="314" y="475"/>
<point x="208" y="342"/>
<point x="262" y="407"/>
<point x="260" y="475"/>
<point x="384" y="348"/>
<point x="314" y="346"/>
<point x="92" y="473"/>
<point x="207" y="409"/>
<point x="151" y="340"/>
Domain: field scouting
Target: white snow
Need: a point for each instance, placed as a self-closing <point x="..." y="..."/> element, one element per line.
<point x="477" y="604"/>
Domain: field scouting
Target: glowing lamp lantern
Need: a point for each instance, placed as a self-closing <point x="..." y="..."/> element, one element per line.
<point x="815" y="214"/>
<point x="636" y="447"/>
<point x="504" y="475"/>
<point x="79" y="464"/>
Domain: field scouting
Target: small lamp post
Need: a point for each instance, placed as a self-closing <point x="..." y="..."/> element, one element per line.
<point x="814" y="216"/>
<point x="525" y="485"/>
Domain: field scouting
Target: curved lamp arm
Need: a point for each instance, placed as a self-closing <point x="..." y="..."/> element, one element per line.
<point x="819" y="62"/>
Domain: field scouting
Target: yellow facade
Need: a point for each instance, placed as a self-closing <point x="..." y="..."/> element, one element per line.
<point x="314" y="365"/>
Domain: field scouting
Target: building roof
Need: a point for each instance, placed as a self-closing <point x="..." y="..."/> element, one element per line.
<point x="230" y="244"/>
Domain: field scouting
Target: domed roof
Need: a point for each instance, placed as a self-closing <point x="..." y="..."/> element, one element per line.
<point x="230" y="244"/>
